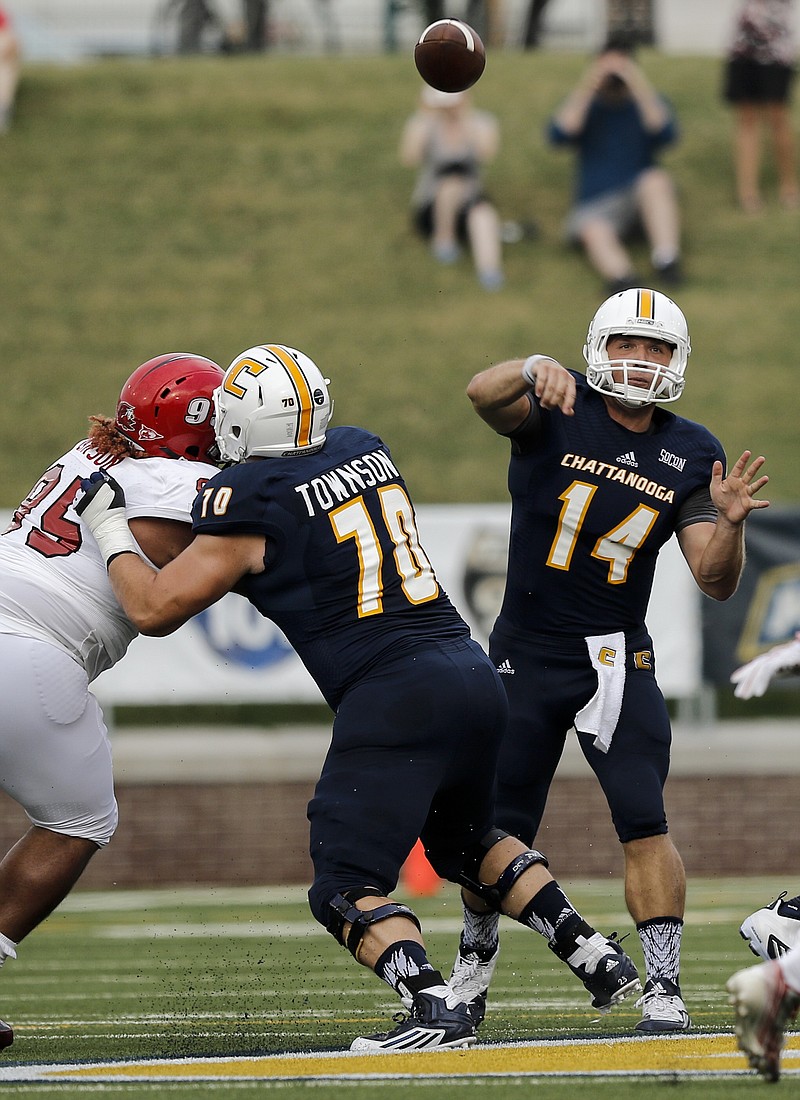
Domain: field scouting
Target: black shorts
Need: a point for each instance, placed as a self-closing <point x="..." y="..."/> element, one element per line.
<point x="748" y="82"/>
<point x="423" y="218"/>
<point x="551" y="681"/>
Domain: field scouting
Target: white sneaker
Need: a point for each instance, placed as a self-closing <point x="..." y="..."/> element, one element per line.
<point x="764" y="1005"/>
<point x="470" y="980"/>
<point x="662" y="1008"/>
<point x="771" y="932"/>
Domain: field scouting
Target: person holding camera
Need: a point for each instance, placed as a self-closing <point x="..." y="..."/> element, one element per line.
<point x="617" y="122"/>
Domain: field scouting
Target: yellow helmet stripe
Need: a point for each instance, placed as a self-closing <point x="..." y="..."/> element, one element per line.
<point x="303" y="390"/>
<point x="646" y="304"/>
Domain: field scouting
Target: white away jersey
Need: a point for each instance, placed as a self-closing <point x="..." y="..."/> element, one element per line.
<point x="53" y="581"/>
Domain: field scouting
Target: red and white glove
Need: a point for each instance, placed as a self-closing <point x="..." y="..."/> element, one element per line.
<point x="754" y="677"/>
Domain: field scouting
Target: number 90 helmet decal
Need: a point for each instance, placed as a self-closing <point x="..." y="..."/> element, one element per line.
<point x="166" y="408"/>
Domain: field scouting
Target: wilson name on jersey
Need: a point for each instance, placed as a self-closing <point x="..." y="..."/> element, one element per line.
<point x="55" y="585"/>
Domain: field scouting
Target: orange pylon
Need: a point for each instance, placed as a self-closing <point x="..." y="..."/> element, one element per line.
<point x="417" y="876"/>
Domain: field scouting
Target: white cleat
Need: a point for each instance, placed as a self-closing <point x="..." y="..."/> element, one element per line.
<point x="764" y="1005"/>
<point x="772" y="931"/>
<point x="662" y="1008"/>
<point x="471" y="979"/>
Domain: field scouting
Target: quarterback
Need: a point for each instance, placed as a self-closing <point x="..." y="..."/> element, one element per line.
<point x="315" y="526"/>
<point x="61" y="625"/>
<point x="601" y="476"/>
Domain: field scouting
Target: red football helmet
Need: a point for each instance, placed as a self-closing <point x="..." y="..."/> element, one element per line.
<point x="166" y="409"/>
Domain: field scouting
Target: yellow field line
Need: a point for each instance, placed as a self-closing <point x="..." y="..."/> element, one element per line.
<point x="685" y="1055"/>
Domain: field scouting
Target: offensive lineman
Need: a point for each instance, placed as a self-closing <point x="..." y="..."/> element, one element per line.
<point x="61" y="626"/>
<point x="601" y="476"/>
<point x="316" y="528"/>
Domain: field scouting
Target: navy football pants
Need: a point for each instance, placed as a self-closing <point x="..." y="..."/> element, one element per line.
<point x="552" y="680"/>
<point x="413" y="754"/>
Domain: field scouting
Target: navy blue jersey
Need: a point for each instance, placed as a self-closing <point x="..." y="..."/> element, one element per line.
<point x="346" y="579"/>
<point x="592" y="505"/>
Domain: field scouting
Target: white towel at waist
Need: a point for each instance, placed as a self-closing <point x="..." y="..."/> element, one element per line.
<point x="601" y="713"/>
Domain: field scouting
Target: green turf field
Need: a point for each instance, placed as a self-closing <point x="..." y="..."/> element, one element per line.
<point x="216" y="974"/>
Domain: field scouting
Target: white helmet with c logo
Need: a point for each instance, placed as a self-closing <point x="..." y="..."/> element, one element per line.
<point x="272" y="403"/>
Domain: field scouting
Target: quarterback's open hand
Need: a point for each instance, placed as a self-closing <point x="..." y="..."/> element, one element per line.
<point x="754" y="677"/>
<point x="734" y="496"/>
<point x="102" y="509"/>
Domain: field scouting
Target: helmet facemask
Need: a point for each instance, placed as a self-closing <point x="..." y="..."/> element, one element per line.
<point x="636" y="382"/>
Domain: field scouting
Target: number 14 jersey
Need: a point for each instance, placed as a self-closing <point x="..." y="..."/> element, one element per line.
<point x="592" y="505"/>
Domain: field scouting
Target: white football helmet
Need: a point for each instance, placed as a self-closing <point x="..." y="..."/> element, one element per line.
<point x="637" y="312"/>
<point x="273" y="402"/>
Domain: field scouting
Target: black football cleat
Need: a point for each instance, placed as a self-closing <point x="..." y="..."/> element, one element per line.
<point x="6" y="1035"/>
<point x="605" y="970"/>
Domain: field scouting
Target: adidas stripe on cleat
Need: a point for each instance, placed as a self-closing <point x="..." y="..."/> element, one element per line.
<point x="772" y="931"/>
<point x="603" y="967"/>
<point x="662" y="1008"/>
<point x="431" y="1025"/>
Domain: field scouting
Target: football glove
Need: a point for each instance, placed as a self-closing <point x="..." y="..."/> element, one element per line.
<point x="754" y="677"/>
<point x="102" y="509"/>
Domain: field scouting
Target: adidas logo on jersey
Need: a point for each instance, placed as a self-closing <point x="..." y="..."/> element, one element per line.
<point x="504" y="668"/>
<point x="628" y="459"/>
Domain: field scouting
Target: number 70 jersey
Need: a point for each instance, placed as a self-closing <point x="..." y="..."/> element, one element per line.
<point x="347" y="579"/>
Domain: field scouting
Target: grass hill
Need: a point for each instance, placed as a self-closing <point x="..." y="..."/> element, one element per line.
<point x="208" y="204"/>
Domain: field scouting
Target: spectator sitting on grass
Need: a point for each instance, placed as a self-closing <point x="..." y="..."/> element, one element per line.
<point x="449" y="141"/>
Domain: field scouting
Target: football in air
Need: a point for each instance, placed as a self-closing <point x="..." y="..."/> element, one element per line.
<point x="450" y="56"/>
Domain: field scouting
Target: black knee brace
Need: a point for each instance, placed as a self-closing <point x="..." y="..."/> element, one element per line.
<point x="493" y="895"/>
<point x="344" y="911"/>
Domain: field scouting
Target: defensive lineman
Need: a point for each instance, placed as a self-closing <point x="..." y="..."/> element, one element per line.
<point x="61" y="626"/>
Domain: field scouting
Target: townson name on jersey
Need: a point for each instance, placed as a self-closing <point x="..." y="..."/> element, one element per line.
<point x="618" y="473"/>
<point x="343" y="482"/>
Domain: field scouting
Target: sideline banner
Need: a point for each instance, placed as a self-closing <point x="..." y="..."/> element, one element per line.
<point x="230" y="654"/>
